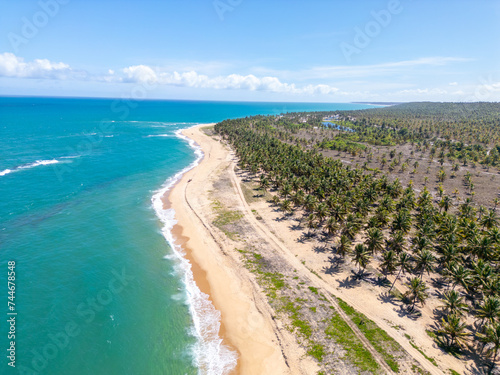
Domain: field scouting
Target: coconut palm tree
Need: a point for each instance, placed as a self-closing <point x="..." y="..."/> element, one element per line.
<point x="489" y="220"/>
<point x="402" y="221"/>
<point x="361" y="257"/>
<point x="374" y="240"/>
<point x="453" y="303"/>
<point x="344" y="246"/>
<point x="389" y="263"/>
<point x="264" y="183"/>
<point x="404" y="264"/>
<point x="311" y="224"/>
<point x="459" y="275"/>
<point x="396" y="242"/>
<point x="491" y="337"/>
<point x="424" y="262"/>
<point x="445" y="203"/>
<point x="417" y="292"/>
<point x="286" y="206"/>
<point x="489" y="310"/>
<point x="331" y="227"/>
<point x="453" y="329"/>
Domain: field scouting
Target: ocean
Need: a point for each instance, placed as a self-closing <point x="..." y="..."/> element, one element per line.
<point x="99" y="288"/>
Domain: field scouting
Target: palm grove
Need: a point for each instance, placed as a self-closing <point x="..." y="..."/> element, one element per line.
<point x="369" y="217"/>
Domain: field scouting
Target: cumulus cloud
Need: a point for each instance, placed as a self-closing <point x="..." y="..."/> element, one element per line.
<point x="146" y="74"/>
<point x="13" y="66"/>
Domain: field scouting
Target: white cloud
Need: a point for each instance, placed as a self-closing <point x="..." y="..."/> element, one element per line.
<point x="343" y="82"/>
<point x="357" y="71"/>
<point x="424" y="91"/>
<point x="146" y="74"/>
<point x="13" y="66"/>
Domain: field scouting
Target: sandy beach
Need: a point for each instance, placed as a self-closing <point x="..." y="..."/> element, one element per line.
<point x="249" y="327"/>
<point x="246" y="327"/>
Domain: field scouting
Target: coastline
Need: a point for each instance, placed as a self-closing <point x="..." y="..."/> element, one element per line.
<point x="248" y="325"/>
<point x="242" y="328"/>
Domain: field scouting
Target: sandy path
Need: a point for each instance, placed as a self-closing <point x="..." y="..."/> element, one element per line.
<point x="297" y="264"/>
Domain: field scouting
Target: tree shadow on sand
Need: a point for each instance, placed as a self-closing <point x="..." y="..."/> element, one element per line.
<point x="320" y="249"/>
<point x="405" y="311"/>
<point x="387" y="297"/>
<point x="349" y="282"/>
<point x="336" y="263"/>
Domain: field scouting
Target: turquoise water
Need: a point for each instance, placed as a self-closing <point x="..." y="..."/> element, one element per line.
<point x="98" y="288"/>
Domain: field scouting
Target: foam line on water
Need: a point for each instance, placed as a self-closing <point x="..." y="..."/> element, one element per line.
<point x="209" y="354"/>
<point x="29" y="166"/>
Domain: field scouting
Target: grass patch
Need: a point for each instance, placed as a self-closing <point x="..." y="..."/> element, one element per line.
<point x="417" y="369"/>
<point x="431" y="334"/>
<point x="249" y="193"/>
<point x="380" y="340"/>
<point x="208" y="130"/>
<point x="343" y="335"/>
<point x="224" y="218"/>
<point x="271" y="281"/>
<point x="430" y="359"/>
<point x="453" y="372"/>
<point x="313" y="289"/>
<point x="295" y="316"/>
<point x="317" y="351"/>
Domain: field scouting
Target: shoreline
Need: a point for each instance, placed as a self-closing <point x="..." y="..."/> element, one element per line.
<point x="214" y="273"/>
<point x="248" y="325"/>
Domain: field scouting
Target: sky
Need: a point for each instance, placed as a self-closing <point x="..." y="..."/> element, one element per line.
<point x="252" y="50"/>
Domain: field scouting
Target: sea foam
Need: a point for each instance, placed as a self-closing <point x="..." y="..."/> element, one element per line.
<point x="29" y="166"/>
<point x="210" y="355"/>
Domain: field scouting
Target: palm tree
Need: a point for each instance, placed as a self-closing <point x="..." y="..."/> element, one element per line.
<point x="402" y="221"/>
<point x="453" y="303"/>
<point x="264" y="183"/>
<point x="417" y="292"/>
<point x="375" y="240"/>
<point x="491" y="337"/>
<point x="489" y="220"/>
<point x="321" y="211"/>
<point x="445" y="203"/>
<point x="459" y="275"/>
<point x="286" y="206"/>
<point x="361" y="257"/>
<point x="389" y="264"/>
<point x="454" y="331"/>
<point x="344" y="246"/>
<point x="404" y="264"/>
<point x="396" y="242"/>
<point x="489" y="310"/>
<point x="424" y="262"/>
<point x="311" y="224"/>
<point x="351" y="226"/>
<point x="331" y="226"/>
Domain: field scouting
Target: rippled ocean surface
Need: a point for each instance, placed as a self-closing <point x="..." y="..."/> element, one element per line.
<point x="99" y="290"/>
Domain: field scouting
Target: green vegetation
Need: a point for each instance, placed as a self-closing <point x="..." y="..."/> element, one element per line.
<point x="416" y="233"/>
<point x="224" y="218"/>
<point x="381" y="341"/>
<point x="317" y="351"/>
<point x="356" y="352"/>
<point x="313" y="289"/>
<point x="430" y="359"/>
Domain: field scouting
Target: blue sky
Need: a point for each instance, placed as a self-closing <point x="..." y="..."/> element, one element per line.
<point x="315" y="50"/>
